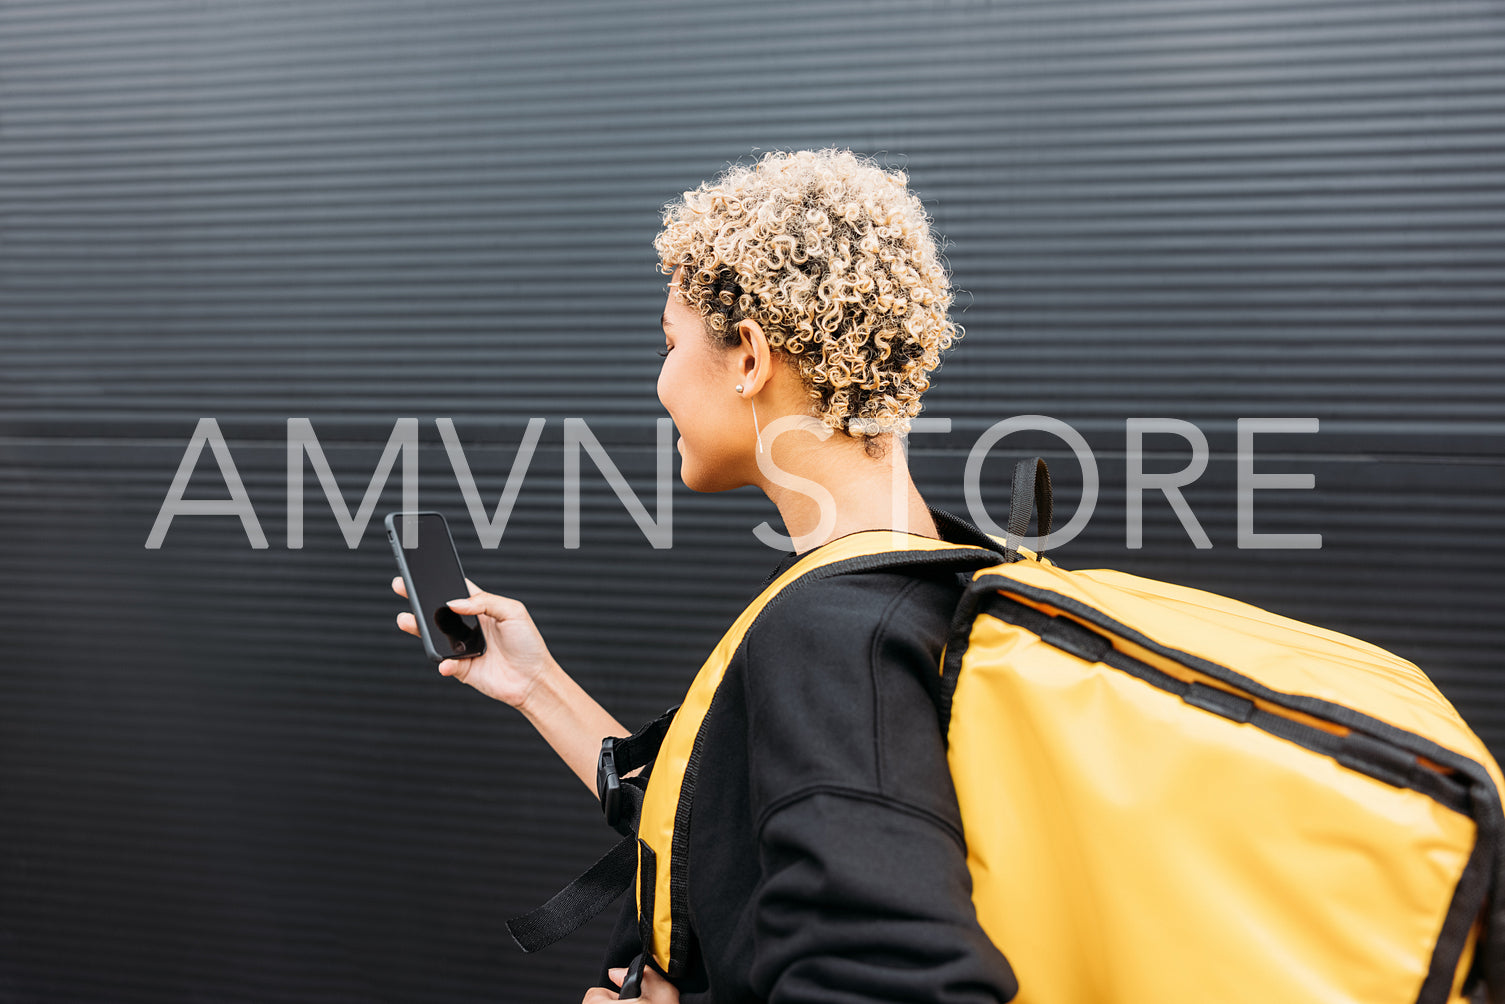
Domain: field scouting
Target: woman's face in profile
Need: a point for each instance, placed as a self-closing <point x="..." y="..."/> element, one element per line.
<point x="697" y="385"/>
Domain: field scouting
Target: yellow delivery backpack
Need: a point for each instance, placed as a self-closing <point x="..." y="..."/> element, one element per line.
<point x="1167" y="795"/>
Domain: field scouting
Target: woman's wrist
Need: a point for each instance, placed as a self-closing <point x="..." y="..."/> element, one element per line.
<point x="569" y="719"/>
<point x="544" y="691"/>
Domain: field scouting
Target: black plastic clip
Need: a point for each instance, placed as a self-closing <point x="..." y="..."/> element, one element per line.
<point x="608" y="784"/>
<point x="632" y="983"/>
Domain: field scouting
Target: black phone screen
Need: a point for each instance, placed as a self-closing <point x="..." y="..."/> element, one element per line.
<point x="431" y="569"/>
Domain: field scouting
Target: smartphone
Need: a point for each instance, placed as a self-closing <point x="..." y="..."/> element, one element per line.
<point x="431" y="570"/>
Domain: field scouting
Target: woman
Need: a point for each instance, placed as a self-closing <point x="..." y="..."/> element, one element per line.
<point x="807" y="307"/>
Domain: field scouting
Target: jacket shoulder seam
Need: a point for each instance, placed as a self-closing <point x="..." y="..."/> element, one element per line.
<point x="880" y="632"/>
<point x="856" y="794"/>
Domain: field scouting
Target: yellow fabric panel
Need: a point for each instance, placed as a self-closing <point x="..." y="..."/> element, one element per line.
<point x="665" y="783"/>
<point x="1079" y="829"/>
<point x="1283" y="654"/>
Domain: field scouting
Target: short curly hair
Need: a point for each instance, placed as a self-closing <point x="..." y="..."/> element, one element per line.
<point x="834" y="258"/>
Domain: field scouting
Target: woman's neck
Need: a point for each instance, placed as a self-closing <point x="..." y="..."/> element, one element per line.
<point x="831" y="488"/>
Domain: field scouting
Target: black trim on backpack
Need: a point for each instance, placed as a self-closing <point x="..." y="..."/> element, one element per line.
<point x="959" y="527"/>
<point x="1373" y="747"/>
<point x="647" y="876"/>
<point x="958" y="638"/>
<point x="1468" y="900"/>
<point x="679" y="851"/>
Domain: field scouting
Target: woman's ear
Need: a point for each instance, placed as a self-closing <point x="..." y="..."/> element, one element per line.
<point x="754" y="358"/>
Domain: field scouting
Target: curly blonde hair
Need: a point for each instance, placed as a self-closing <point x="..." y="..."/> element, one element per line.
<point x="833" y="257"/>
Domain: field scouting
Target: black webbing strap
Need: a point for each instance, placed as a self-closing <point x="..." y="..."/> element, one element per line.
<point x="1031" y="485"/>
<point x="639" y="749"/>
<point x="579" y="901"/>
<point x="614" y="873"/>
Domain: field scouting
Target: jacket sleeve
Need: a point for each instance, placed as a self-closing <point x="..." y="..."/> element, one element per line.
<point x="863" y="892"/>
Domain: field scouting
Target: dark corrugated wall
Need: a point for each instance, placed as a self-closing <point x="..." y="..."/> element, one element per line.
<point x="225" y="776"/>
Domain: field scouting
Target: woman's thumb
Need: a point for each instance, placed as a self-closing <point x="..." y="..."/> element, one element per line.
<point x="477" y="604"/>
<point x="497" y="607"/>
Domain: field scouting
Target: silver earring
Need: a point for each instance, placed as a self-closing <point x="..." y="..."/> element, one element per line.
<point x="739" y="388"/>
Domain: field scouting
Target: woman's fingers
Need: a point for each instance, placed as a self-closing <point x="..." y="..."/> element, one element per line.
<point x="656" y="989"/>
<point x="407" y="622"/>
<point x="399" y="587"/>
<point x="601" y="995"/>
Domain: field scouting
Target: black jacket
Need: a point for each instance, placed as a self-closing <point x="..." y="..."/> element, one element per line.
<point x="826" y="854"/>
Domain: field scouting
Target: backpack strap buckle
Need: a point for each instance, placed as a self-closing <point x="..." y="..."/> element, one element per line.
<point x="608" y="782"/>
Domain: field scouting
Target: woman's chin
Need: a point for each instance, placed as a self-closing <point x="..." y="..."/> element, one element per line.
<point x="705" y="478"/>
<point x="698" y="484"/>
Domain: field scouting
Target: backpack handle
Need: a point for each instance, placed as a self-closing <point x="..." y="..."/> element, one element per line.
<point x="1031" y="493"/>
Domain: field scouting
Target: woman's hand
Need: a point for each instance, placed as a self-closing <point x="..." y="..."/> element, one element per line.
<point x="516" y="657"/>
<point x="517" y="669"/>
<point x="656" y="989"/>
